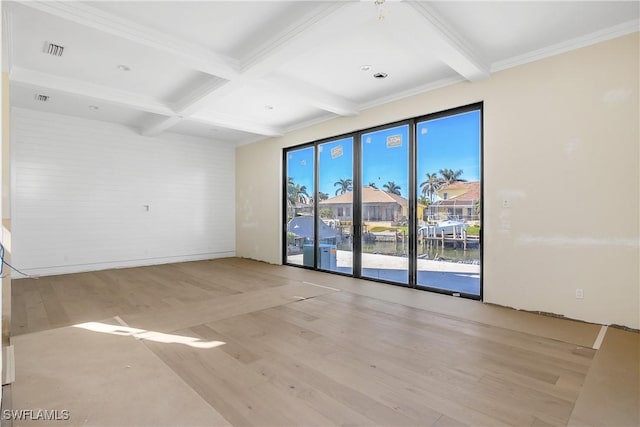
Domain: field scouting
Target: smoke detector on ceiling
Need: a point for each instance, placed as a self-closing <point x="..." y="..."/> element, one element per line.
<point x="53" y="49"/>
<point x="42" y="98"/>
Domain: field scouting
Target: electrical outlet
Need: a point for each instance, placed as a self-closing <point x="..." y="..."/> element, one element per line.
<point x="579" y="293"/>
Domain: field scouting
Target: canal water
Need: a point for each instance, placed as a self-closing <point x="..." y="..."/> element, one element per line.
<point x="433" y="252"/>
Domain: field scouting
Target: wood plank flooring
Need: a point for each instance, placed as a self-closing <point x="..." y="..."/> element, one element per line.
<point x="612" y="383"/>
<point x="298" y="354"/>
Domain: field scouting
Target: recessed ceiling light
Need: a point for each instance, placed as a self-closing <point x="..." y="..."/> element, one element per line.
<point x="93" y="107"/>
<point x="123" y="68"/>
<point x="365" y="67"/>
<point x="380" y="75"/>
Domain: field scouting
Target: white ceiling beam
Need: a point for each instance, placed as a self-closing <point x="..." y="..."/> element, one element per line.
<point x="233" y="122"/>
<point x="30" y="78"/>
<point x="192" y="102"/>
<point x="219" y="120"/>
<point x="312" y="95"/>
<point x="159" y="125"/>
<point x="293" y="40"/>
<point x="447" y="45"/>
<point x="196" y="98"/>
<point x="189" y="54"/>
<point x="286" y="44"/>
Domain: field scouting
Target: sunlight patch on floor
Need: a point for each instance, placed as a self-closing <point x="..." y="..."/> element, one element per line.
<point x="148" y="335"/>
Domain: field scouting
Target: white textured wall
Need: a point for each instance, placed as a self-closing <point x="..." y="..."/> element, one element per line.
<point x="561" y="143"/>
<point x="80" y="186"/>
<point x="5" y="279"/>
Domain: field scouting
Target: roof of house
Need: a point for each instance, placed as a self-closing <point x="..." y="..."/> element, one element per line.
<point x="460" y="184"/>
<point x="369" y="195"/>
<point x="471" y="195"/>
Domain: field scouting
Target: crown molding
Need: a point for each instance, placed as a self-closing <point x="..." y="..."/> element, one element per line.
<point x="311" y="122"/>
<point x="616" y="31"/>
<point x="381" y="101"/>
<point x="413" y="91"/>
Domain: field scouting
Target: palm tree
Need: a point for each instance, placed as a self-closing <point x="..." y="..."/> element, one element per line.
<point x="344" y="185"/>
<point x="291" y="196"/>
<point x="322" y="196"/>
<point x="424" y="201"/>
<point x="431" y="185"/>
<point x="373" y="185"/>
<point x="392" y="187"/>
<point x="301" y="195"/>
<point x="296" y="193"/>
<point x="450" y="176"/>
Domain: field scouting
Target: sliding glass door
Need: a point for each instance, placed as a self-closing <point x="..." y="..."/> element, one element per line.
<point x="399" y="203"/>
<point x="448" y="215"/>
<point x="335" y="205"/>
<point x="299" y="206"/>
<point x="385" y="204"/>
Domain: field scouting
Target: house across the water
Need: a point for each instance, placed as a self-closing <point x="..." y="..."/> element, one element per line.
<point x="377" y="205"/>
<point x="457" y="200"/>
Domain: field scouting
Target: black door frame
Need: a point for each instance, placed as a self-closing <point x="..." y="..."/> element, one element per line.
<point x="357" y="197"/>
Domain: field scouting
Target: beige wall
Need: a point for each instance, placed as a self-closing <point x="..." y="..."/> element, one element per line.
<point x="560" y="143"/>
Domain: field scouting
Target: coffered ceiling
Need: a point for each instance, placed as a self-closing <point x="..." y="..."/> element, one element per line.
<point x="240" y="71"/>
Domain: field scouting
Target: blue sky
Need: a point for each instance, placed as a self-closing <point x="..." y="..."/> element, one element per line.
<point x="300" y="166"/>
<point x="451" y="142"/>
<point x="382" y="164"/>
<point x="336" y="162"/>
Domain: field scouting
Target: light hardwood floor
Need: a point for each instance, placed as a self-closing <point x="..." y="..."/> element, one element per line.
<point x="296" y="347"/>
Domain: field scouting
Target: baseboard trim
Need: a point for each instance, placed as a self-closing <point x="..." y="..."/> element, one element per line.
<point x="83" y="268"/>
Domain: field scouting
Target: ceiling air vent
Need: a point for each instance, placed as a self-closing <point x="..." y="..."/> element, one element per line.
<point x="42" y="98"/>
<point x="53" y="49"/>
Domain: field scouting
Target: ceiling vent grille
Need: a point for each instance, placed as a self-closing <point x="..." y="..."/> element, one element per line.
<point x="42" y="98"/>
<point x="53" y="49"/>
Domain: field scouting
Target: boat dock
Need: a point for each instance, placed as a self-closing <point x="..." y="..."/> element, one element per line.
<point x="457" y="235"/>
<point x="430" y="236"/>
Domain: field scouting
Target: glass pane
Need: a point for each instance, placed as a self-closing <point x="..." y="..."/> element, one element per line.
<point x="448" y="214"/>
<point x="300" y="188"/>
<point x="385" y="204"/>
<point x="335" y="205"/>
